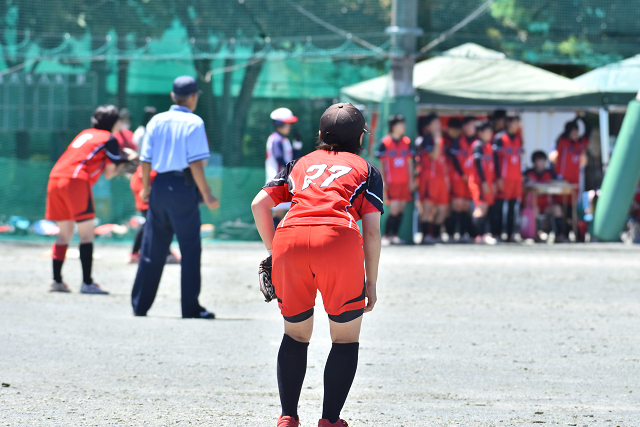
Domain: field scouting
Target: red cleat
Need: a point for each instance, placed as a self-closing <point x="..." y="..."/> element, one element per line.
<point x="288" y="421"/>
<point x="326" y="423"/>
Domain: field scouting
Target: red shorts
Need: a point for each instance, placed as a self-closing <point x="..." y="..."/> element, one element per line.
<point x="136" y="187"/>
<point x="511" y="189"/>
<point x="398" y="192"/>
<point x="69" y="199"/>
<point x="459" y="187"/>
<point x="479" y="196"/>
<point x="434" y="191"/>
<point x="324" y="258"/>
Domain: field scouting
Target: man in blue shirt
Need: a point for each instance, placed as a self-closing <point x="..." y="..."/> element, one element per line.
<point x="175" y="146"/>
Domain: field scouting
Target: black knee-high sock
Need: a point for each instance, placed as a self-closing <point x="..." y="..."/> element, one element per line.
<point x="339" y="373"/>
<point x="468" y="224"/>
<point x="86" y="258"/>
<point x="465" y="222"/>
<point x="398" y="223"/>
<point x="480" y="224"/>
<point x="425" y="228"/>
<point x="559" y="225"/>
<point x="292" y="366"/>
<point x="389" y="225"/>
<point x="496" y="217"/>
<point x="511" y="217"/>
<point x="57" y="270"/>
<point x="450" y="224"/>
<point x="435" y="230"/>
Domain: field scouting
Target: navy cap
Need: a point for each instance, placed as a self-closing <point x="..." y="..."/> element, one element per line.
<point x="344" y="121"/>
<point x="185" y="85"/>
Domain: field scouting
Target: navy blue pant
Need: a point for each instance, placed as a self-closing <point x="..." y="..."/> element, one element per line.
<point x="173" y="208"/>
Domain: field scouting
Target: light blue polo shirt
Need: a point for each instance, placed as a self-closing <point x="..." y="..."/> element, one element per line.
<point x="173" y="140"/>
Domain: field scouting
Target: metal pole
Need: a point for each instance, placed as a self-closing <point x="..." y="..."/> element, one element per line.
<point x="401" y="96"/>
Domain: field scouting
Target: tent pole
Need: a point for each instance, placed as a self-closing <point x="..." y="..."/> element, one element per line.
<point x="401" y="97"/>
<point x="604" y="137"/>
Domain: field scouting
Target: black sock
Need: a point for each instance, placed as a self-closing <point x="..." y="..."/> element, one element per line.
<point x="425" y="227"/>
<point x="496" y="217"/>
<point x="511" y="217"/>
<point x="479" y="223"/>
<point x="338" y="376"/>
<point x="398" y="224"/>
<point x="57" y="270"/>
<point x="559" y="225"/>
<point x="435" y="230"/>
<point x="86" y="258"/>
<point x="292" y="366"/>
<point x="463" y="220"/>
<point x="388" y="227"/>
<point x="450" y="224"/>
<point x="468" y="224"/>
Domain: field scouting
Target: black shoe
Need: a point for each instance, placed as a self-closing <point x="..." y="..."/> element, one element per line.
<point x="140" y="314"/>
<point x="204" y="314"/>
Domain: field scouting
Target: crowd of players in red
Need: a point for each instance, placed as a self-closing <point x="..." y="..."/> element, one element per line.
<point x="469" y="179"/>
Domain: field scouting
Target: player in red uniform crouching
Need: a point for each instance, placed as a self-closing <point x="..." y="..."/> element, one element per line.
<point x="69" y="195"/>
<point x="318" y="247"/>
<point x="547" y="205"/>
<point x="482" y="181"/>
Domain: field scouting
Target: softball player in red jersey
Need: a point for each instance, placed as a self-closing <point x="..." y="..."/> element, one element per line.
<point x="396" y="162"/>
<point x="508" y="148"/>
<point x="318" y="247"/>
<point x="570" y="153"/>
<point x="482" y="181"/>
<point x="69" y="195"/>
<point x="461" y="135"/>
<point x="433" y="181"/>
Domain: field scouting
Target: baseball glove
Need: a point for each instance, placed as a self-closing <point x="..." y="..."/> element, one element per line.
<point x="264" y="278"/>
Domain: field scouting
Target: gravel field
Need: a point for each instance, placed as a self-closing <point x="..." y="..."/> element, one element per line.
<point x="462" y="335"/>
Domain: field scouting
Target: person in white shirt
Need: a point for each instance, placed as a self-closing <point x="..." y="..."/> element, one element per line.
<point x="280" y="151"/>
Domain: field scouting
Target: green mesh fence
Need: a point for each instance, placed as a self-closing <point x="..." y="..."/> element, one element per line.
<point x="60" y="59"/>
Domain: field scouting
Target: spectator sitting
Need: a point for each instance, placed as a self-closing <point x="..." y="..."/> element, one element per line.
<point x="546" y="204"/>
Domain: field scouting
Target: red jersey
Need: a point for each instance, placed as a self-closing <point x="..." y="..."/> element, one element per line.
<point x="327" y="188"/>
<point x="125" y="139"/>
<point x="86" y="156"/>
<point x="484" y="169"/>
<point x="431" y="168"/>
<point x="546" y="175"/>
<point x="568" y="163"/>
<point x="136" y="186"/>
<point x="459" y="153"/>
<point x="509" y="149"/>
<point x="395" y="156"/>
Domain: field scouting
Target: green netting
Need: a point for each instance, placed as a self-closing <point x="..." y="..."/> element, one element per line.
<point x="59" y="59"/>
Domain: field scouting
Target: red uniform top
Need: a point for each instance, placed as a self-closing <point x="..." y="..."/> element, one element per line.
<point x="546" y="175"/>
<point x="568" y="163"/>
<point x="484" y="169"/>
<point x="86" y="156"/>
<point x="136" y="186"/>
<point x="395" y="156"/>
<point x="125" y="139"/>
<point x="459" y="154"/>
<point x="508" y="149"/>
<point x="327" y="188"/>
<point x="429" y="167"/>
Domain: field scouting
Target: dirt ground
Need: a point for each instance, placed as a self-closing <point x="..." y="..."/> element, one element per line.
<point x="462" y="335"/>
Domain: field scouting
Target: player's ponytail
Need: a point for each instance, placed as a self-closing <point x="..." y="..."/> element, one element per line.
<point x="334" y="144"/>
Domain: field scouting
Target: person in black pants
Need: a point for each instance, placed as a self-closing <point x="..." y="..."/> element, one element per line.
<point x="176" y="147"/>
